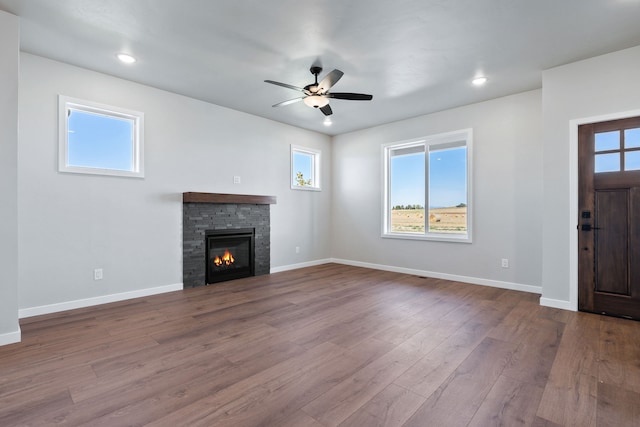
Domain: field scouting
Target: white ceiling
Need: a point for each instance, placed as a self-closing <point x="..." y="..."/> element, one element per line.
<point x="414" y="56"/>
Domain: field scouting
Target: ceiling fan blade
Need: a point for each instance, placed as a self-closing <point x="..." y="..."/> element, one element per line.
<point x="350" y="96"/>
<point x="329" y="80"/>
<point x="291" y="101"/>
<point x="326" y="110"/>
<point x="288" y="86"/>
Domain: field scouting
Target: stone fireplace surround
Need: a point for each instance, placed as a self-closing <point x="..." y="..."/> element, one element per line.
<point x="213" y="211"/>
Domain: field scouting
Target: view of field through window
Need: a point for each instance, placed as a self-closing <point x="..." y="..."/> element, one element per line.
<point x="446" y="210"/>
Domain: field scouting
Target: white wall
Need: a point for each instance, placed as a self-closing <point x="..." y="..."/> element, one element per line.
<point x="132" y="228"/>
<point x="589" y="90"/>
<point x="9" y="61"/>
<point x="507" y="195"/>
<point x="70" y="224"/>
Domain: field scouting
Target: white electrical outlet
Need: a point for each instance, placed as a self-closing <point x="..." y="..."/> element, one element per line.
<point x="97" y="274"/>
<point x="236" y="179"/>
<point x="505" y="263"/>
<point x="297" y="249"/>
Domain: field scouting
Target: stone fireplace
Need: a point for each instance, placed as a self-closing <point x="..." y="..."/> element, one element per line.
<point x="234" y="228"/>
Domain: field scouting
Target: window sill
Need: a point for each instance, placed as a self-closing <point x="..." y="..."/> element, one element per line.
<point x="433" y="237"/>
<point x="103" y="172"/>
<point x="306" y="188"/>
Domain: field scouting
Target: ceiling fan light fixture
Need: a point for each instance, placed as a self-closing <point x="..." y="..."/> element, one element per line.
<point x="316" y="101"/>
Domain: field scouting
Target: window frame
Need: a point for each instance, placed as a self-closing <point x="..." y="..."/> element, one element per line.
<point x="316" y="155"/>
<point x="66" y="104"/>
<point x="452" y="139"/>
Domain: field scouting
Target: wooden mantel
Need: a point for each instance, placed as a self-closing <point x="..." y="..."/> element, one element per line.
<point x="227" y="198"/>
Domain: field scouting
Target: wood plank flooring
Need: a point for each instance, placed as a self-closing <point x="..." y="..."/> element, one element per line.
<point x="330" y="345"/>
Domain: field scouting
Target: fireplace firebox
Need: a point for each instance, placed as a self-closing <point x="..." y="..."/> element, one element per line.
<point x="229" y="254"/>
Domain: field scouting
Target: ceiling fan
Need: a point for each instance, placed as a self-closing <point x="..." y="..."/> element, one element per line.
<point x="317" y="95"/>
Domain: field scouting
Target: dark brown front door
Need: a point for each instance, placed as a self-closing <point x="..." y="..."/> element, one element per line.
<point x="609" y="217"/>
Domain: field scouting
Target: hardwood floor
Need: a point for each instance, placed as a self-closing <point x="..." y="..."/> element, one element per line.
<point x="331" y="345"/>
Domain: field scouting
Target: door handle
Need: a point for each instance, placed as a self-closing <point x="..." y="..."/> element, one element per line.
<point x="587" y="227"/>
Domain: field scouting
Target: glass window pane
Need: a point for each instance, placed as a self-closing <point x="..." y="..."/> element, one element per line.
<point x="302" y="169"/>
<point x="608" y="141"/>
<point x="632" y="138"/>
<point x="448" y="190"/>
<point x="406" y="190"/>
<point x="98" y="141"/>
<point x="607" y="162"/>
<point x="632" y="160"/>
<point x="305" y="168"/>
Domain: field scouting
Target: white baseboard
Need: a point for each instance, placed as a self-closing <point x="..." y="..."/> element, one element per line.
<point x="88" y="302"/>
<point x="300" y="265"/>
<point x="445" y="276"/>
<point x="558" y="303"/>
<point x="10" y="338"/>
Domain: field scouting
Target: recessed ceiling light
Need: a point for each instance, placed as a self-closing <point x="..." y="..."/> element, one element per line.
<point x="126" y="58"/>
<point x="479" y="81"/>
<point x="327" y="122"/>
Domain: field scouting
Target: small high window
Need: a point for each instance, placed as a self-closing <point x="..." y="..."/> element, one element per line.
<point x="305" y="168"/>
<point x="99" y="139"/>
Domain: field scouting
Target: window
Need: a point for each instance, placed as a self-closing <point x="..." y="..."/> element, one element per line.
<point x="305" y="168"/>
<point x="617" y="150"/>
<point x="99" y="139"/>
<point x="427" y="188"/>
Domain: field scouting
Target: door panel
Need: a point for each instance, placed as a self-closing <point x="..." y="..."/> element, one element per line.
<point x="634" y="246"/>
<point x="611" y="241"/>
<point x="609" y="218"/>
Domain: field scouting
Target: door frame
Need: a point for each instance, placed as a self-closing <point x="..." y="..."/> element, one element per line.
<point x="573" y="198"/>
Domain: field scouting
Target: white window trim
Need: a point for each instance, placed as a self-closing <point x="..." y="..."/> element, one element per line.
<point x="316" y="168"/>
<point x="65" y="103"/>
<point x="447" y="138"/>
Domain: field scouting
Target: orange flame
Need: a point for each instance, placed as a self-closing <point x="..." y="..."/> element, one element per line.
<point x="227" y="259"/>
